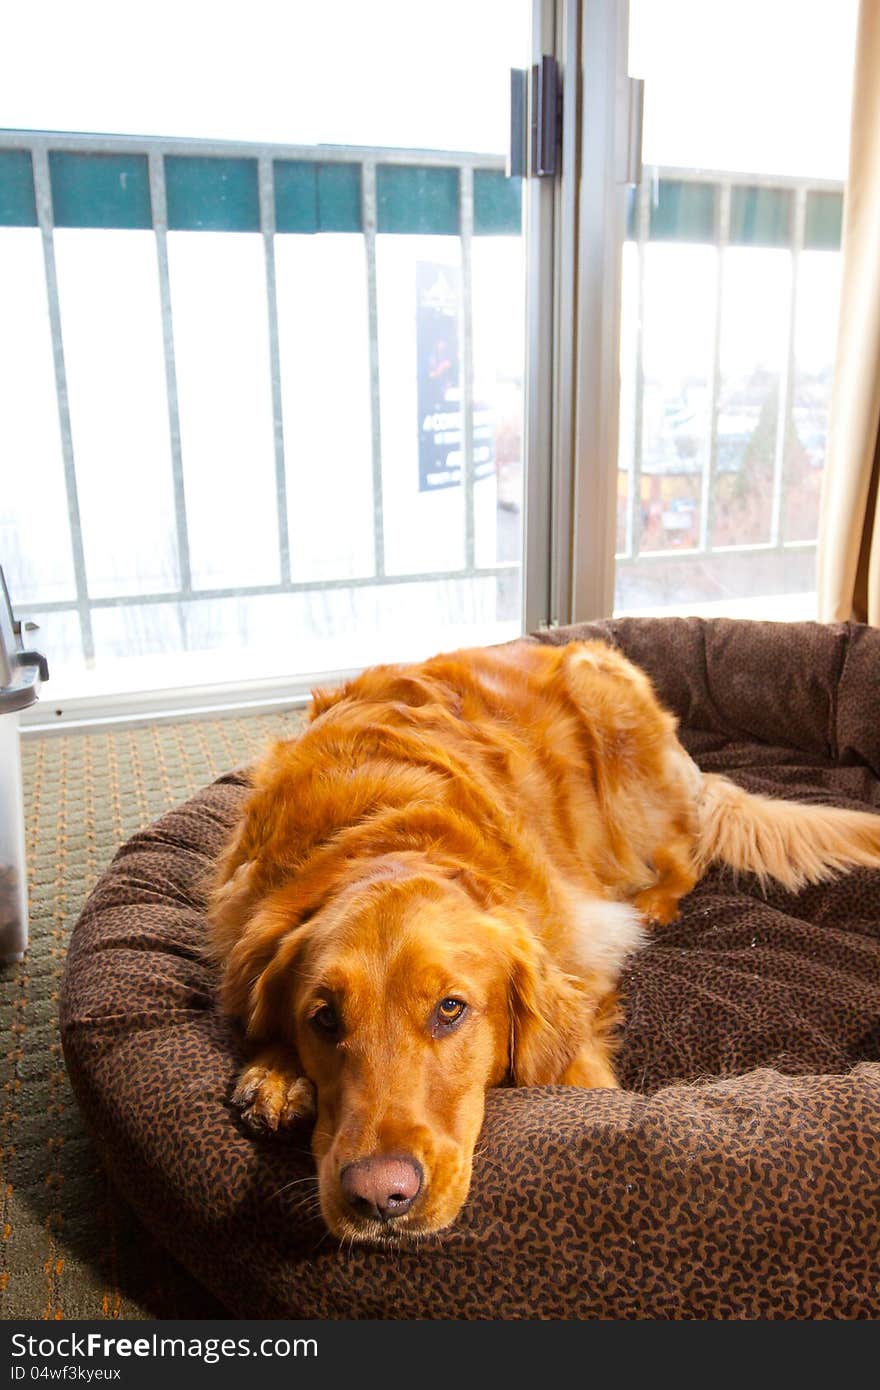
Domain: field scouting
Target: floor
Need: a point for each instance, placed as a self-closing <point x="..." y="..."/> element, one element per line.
<point x="70" y="1248"/>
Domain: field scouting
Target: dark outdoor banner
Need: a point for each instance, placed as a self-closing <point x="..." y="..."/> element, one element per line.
<point x="441" y="450"/>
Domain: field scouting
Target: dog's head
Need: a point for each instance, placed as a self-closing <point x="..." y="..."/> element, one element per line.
<point x="403" y="1000"/>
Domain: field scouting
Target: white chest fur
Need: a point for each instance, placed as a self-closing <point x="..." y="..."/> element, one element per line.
<point x="606" y="933"/>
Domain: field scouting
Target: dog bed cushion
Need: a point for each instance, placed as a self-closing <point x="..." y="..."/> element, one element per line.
<point x="735" y="1175"/>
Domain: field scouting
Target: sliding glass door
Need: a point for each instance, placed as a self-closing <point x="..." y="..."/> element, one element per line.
<point x="729" y="302"/>
<point x="263" y="352"/>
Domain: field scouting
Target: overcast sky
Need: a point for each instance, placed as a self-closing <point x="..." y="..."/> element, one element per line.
<point x="744" y="84"/>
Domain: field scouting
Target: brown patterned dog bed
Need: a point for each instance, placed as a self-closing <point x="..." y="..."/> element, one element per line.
<point x="736" y="1176"/>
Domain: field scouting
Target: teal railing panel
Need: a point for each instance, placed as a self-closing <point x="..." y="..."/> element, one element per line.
<point x="417" y="200"/>
<point x="824" y="221"/>
<point x="18" y="206"/>
<point x="208" y="194"/>
<point x="761" y="216"/>
<point x="683" y="211"/>
<point x="100" y="190"/>
<point x="497" y="203"/>
<point x="212" y="192"/>
<point x="312" y="197"/>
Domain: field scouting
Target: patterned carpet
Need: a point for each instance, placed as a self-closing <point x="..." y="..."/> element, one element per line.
<point x="70" y="1248"/>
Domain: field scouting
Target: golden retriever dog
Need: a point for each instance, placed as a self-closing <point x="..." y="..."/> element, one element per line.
<point x="434" y="889"/>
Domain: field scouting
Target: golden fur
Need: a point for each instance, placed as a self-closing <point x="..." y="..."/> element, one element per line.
<point x="492" y="828"/>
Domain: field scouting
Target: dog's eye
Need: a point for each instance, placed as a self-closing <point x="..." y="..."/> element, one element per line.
<point x="325" y="1020"/>
<point x="449" y="1011"/>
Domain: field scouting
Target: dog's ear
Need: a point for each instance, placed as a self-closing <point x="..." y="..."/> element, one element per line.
<point x="238" y="879"/>
<point x="259" y="974"/>
<point x="232" y="893"/>
<point x="549" y="1015"/>
<point x="270" y="1001"/>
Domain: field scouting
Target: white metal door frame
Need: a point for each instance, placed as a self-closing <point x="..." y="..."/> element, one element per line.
<point x="540" y="221"/>
<point x="576" y="228"/>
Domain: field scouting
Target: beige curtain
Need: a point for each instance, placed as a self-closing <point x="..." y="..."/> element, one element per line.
<point x="849" y="529"/>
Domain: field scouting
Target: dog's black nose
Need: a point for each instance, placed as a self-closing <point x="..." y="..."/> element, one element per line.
<point x="381" y="1187"/>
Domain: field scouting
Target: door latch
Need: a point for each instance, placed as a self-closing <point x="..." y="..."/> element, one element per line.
<point x="535" y="120"/>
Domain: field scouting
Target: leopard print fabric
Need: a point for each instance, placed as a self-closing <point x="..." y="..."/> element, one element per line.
<point x="735" y="1176"/>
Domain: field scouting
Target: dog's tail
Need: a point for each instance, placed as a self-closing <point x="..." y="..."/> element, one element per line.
<point x="794" y="844"/>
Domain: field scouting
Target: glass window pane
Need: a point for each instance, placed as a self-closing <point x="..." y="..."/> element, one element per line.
<point x="166" y="645"/>
<point x="109" y="294"/>
<point x="325" y="385"/>
<point x="630" y="347"/>
<point x="34" y="530"/>
<point x="499" y="355"/>
<point x="727" y="348"/>
<point x="419" y="287"/>
<point x="401" y="74"/>
<point x="336" y="397"/>
<point x="814" y="337"/>
<point x="755" y="308"/>
<point x="677" y="326"/>
<point x="221" y="348"/>
<point x="746" y="85"/>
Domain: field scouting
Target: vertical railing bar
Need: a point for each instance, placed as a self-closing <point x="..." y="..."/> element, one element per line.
<point x="466" y="212"/>
<point x="45" y="219"/>
<point x="710" y="462"/>
<point x="368" y="215"/>
<point x="267" y="224"/>
<point x="786" y="383"/>
<point x="160" y="230"/>
<point x="643" y="232"/>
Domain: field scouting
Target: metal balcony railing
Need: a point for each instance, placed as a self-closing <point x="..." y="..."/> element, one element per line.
<point x="49" y="181"/>
<point x="725" y="210"/>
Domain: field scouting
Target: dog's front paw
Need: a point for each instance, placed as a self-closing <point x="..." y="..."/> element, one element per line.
<point x="657" y="905"/>
<point x="270" y="1099"/>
